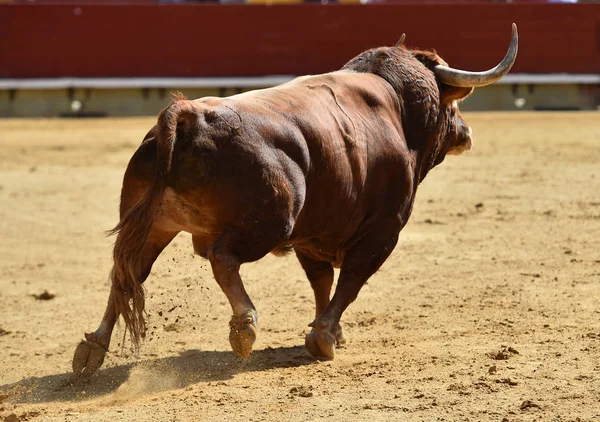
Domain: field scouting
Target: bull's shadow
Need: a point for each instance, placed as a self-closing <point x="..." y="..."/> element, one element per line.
<point x="153" y="375"/>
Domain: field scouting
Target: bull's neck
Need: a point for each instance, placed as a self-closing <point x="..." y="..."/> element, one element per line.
<point x="426" y="154"/>
<point x="425" y="162"/>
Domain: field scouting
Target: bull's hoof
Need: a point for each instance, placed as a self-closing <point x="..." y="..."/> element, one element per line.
<point x="320" y="342"/>
<point x="242" y="334"/>
<point x="89" y="356"/>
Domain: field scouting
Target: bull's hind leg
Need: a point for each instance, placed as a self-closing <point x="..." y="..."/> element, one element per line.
<point x="360" y="262"/>
<point x="90" y="353"/>
<point x="226" y="255"/>
<point x="243" y="323"/>
<point x="320" y="274"/>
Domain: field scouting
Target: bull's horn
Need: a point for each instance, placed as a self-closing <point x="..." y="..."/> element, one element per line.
<point x="401" y="40"/>
<point x="466" y="79"/>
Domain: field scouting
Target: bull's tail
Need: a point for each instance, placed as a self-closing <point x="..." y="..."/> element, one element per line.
<point x="135" y="225"/>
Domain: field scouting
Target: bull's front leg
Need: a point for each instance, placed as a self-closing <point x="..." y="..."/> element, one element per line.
<point x="320" y="274"/>
<point x="360" y="262"/>
<point x="90" y="353"/>
<point x="243" y="323"/>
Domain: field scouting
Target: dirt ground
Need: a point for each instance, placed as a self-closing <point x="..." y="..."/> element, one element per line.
<point x="488" y="309"/>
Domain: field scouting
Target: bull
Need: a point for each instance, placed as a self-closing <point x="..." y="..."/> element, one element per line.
<point x="327" y="166"/>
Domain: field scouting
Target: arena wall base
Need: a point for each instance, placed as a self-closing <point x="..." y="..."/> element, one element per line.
<point x="52" y="98"/>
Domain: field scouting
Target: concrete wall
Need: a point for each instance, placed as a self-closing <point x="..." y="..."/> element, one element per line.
<point x="534" y="97"/>
<point x="94" y="102"/>
<point x="149" y="101"/>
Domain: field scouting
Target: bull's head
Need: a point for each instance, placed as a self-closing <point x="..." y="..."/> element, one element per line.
<point x="429" y="92"/>
<point x="456" y="84"/>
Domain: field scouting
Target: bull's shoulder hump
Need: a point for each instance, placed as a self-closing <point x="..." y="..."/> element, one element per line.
<point x="348" y="82"/>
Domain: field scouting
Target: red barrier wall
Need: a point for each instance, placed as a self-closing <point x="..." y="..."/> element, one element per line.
<point x="246" y="40"/>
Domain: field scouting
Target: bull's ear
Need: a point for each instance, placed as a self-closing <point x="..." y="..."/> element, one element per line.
<point x="454" y="93"/>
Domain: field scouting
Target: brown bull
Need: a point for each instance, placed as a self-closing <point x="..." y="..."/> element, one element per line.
<point x="326" y="165"/>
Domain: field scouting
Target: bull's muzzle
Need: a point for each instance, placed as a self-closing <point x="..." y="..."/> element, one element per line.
<point x="465" y="146"/>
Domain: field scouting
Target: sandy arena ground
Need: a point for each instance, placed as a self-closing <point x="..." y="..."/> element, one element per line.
<point x="488" y="309"/>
